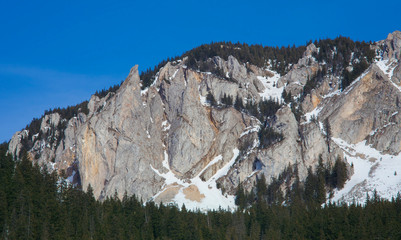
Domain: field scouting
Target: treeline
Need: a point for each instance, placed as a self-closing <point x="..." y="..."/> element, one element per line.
<point x="336" y="53"/>
<point x="104" y="92"/>
<point x="342" y="52"/>
<point x="148" y="76"/>
<point x="278" y="58"/>
<point x="310" y="193"/>
<point x="65" y="113"/>
<point x="312" y="82"/>
<point x="265" y="111"/>
<point x="36" y="205"/>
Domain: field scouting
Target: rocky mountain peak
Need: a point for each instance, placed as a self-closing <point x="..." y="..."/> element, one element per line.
<point x="310" y="49"/>
<point x="193" y="134"/>
<point x="392" y="46"/>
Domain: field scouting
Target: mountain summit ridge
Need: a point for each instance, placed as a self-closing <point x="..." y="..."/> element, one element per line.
<point x="193" y="136"/>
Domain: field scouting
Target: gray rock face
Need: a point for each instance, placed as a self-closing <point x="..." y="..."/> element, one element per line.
<point x="129" y="135"/>
<point x="296" y="78"/>
<point x="239" y="81"/>
<point x="160" y="142"/>
<point x="15" y="146"/>
<point x="362" y="114"/>
<point x="191" y="132"/>
<point x="115" y="147"/>
<point x="229" y="124"/>
<point x="131" y="138"/>
<point x="302" y="146"/>
<point x="396" y="78"/>
<point x="392" y="46"/>
<point x="286" y="152"/>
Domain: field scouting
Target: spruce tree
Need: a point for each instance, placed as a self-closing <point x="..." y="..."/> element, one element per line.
<point x="210" y="99"/>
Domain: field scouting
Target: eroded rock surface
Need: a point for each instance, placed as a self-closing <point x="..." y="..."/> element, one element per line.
<point x="168" y="143"/>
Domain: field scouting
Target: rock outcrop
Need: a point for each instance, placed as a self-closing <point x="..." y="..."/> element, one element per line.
<point x="168" y="142"/>
<point x="392" y="46"/>
<point x="295" y="80"/>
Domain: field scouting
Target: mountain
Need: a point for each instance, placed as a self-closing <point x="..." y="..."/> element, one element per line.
<point x="226" y="115"/>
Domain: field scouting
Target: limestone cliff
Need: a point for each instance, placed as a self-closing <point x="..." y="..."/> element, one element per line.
<point x="170" y="143"/>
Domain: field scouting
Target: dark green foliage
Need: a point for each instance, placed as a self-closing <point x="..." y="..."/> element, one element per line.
<point x="315" y="191"/>
<point x="349" y="77"/>
<point x="70" y="111"/>
<point x="286" y="96"/>
<point x="65" y="113"/>
<point x="267" y="109"/>
<point x="148" y="77"/>
<point x="251" y="108"/>
<point x="33" y="128"/>
<point x="274" y="195"/>
<point x="254" y="54"/>
<point x="34" y="206"/>
<point x="210" y="99"/>
<point x="239" y="104"/>
<point x="327" y="129"/>
<point x="104" y="92"/>
<point x="227" y="100"/>
<point x="240" y="197"/>
<point x="310" y="193"/>
<point x="340" y="53"/>
<point x="313" y="82"/>
<point x="198" y="58"/>
<point x="339" y="174"/>
<point x="337" y="52"/>
<point x="265" y="112"/>
<point x="267" y="137"/>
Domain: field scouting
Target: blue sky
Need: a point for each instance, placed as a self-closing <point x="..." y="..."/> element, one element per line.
<point x="58" y="53"/>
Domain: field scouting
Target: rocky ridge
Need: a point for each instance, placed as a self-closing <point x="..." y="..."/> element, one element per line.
<point x="169" y="143"/>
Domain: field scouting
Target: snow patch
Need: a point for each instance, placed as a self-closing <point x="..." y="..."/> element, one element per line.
<point x="373" y="170"/>
<point x="175" y="73"/>
<point x="165" y="125"/>
<point x="271" y="90"/>
<point x="249" y="130"/>
<point x="143" y="92"/>
<point x="203" y="100"/>
<point x="387" y="67"/>
<point x="213" y="197"/>
<point x="34" y="137"/>
<point x="224" y="170"/>
<point x="337" y="92"/>
<point x="313" y="114"/>
<point x="214" y="161"/>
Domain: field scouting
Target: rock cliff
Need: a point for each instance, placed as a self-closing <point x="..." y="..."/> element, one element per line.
<point x="170" y="143"/>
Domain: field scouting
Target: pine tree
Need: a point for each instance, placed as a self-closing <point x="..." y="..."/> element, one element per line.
<point x="339" y="175"/>
<point x="327" y="128"/>
<point x="240" y="197"/>
<point x="210" y="99"/>
<point x="239" y="105"/>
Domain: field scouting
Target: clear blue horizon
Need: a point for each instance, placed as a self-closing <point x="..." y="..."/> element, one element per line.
<point x="56" y="54"/>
